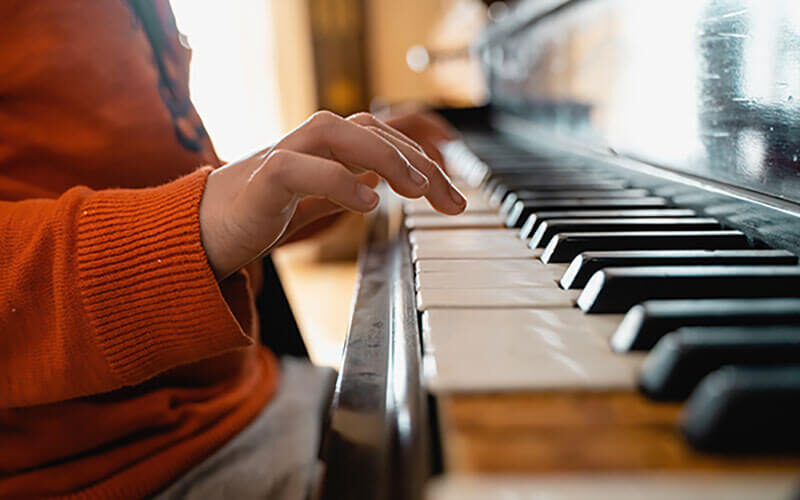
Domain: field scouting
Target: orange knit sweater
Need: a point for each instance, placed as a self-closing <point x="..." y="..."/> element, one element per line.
<point x="122" y="361"/>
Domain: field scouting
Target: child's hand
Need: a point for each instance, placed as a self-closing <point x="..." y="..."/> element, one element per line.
<point x="248" y="205"/>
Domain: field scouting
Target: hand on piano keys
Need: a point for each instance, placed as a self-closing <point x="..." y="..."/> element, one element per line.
<point x="326" y="165"/>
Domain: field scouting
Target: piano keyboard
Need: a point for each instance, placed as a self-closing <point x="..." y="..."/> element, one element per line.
<point x="563" y="280"/>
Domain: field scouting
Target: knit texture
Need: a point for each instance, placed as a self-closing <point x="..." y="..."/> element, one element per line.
<point x="115" y="298"/>
<point x="151" y="297"/>
<point x="123" y="362"/>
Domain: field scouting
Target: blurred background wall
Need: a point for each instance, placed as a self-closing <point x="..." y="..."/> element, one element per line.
<point x="262" y="66"/>
<point x="439" y="25"/>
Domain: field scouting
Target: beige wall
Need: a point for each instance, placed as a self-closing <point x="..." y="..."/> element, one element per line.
<point x="394" y="26"/>
<point x="294" y="61"/>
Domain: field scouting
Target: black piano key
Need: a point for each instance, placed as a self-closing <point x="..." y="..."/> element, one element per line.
<point x="531" y="182"/>
<point x="617" y="289"/>
<point x="682" y="358"/>
<point x="522" y="209"/>
<point x="534" y="176"/>
<point x="645" y="323"/>
<point x="542" y="175"/>
<point x="499" y="190"/>
<point x="586" y="264"/>
<point x="510" y="184"/>
<point x="520" y="167"/>
<point x="490" y="184"/>
<point x="536" y="218"/>
<point x="566" y="246"/>
<point x="745" y="409"/>
<point x="550" y="228"/>
<point x="494" y="152"/>
<point x="507" y="203"/>
<point x="500" y="153"/>
<point x="513" y="197"/>
<point x="583" y="193"/>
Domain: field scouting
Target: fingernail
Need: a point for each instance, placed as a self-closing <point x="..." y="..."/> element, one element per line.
<point x="416" y="177"/>
<point x="457" y="197"/>
<point x="367" y="195"/>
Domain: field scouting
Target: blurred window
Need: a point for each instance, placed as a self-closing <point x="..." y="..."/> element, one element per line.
<point x="233" y="81"/>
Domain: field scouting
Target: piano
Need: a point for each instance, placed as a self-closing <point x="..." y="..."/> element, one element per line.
<point x="617" y="314"/>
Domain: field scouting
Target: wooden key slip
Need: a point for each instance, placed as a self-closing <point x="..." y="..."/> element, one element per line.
<point x="560" y="432"/>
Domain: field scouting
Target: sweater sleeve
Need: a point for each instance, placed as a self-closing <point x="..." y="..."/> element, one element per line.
<point x="103" y="289"/>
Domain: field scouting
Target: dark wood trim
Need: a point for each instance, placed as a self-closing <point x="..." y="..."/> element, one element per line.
<point x="377" y="444"/>
<point x="338" y="38"/>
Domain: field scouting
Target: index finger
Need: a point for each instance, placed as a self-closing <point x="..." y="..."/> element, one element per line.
<point x="442" y="195"/>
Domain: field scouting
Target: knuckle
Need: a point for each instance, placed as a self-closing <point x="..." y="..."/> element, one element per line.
<point x="379" y="132"/>
<point x="278" y="156"/>
<point x="276" y="162"/>
<point x="323" y="118"/>
<point x="362" y="117"/>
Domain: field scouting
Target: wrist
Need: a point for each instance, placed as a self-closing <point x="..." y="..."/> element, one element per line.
<point x="211" y="233"/>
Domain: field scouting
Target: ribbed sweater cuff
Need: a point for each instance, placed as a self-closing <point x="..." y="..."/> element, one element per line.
<point x="146" y="284"/>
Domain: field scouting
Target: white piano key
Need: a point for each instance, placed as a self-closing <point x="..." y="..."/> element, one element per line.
<point x="489" y="266"/>
<point x="455" y="244"/>
<point x="470" y="220"/>
<point x="497" y="242"/>
<point x="475" y="204"/>
<point x="478" y="235"/>
<point x="473" y="252"/>
<point x="470" y="298"/>
<point x="543" y="277"/>
<point x="522" y="349"/>
<point x="692" y="485"/>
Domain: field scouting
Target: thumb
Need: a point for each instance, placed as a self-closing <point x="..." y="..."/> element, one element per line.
<point x="370" y="179"/>
<point x="310" y="210"/>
